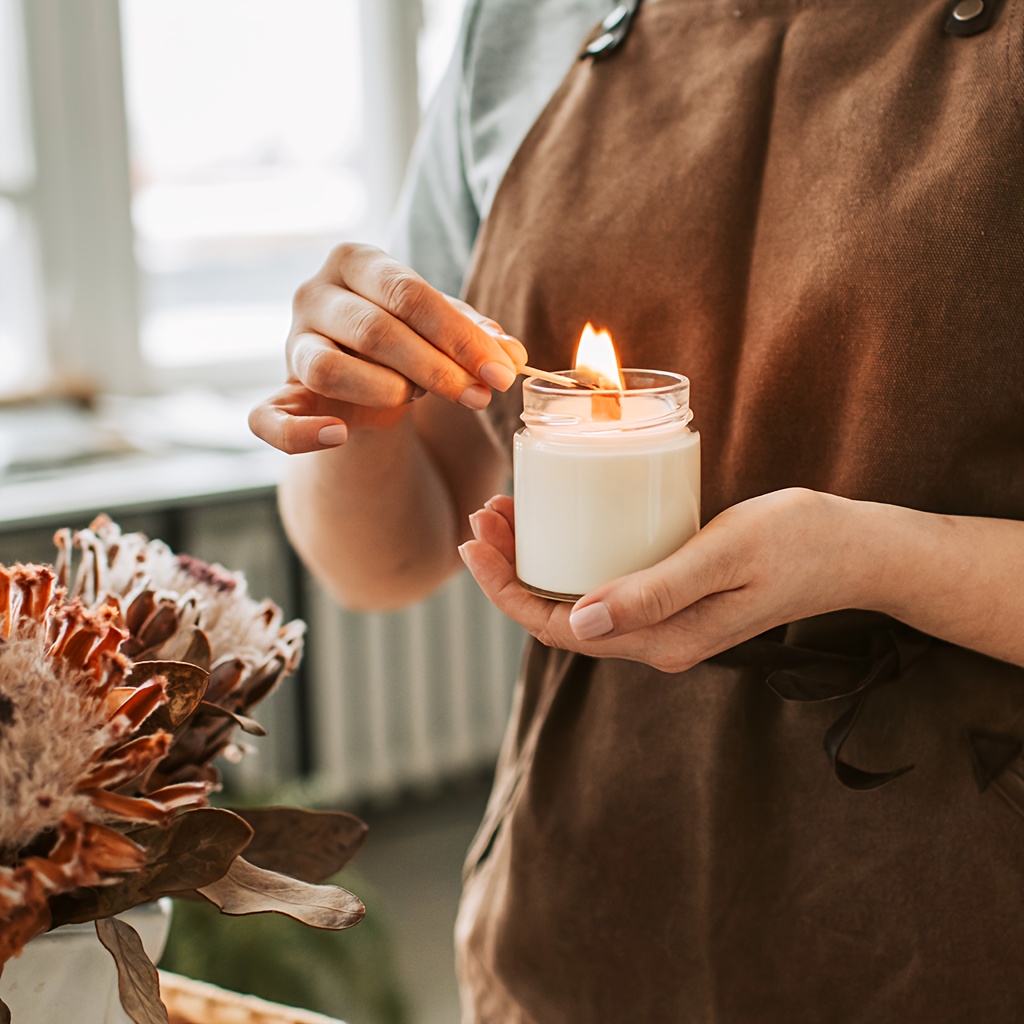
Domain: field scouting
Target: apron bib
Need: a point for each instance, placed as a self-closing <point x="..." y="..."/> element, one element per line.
<point x="814" y="209"/>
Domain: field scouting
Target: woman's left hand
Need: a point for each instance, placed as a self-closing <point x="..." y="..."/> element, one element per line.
<point x="766" y="561"/>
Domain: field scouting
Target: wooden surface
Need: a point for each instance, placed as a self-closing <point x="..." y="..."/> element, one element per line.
<point x="196" y="1002"/>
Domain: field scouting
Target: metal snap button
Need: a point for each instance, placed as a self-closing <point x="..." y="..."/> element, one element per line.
<point x="600" y="44"/>
<point x="614" y="18"/>
<point x="966" y="18"/>
<point x="968" y="9"/>
<point x="614" y="29"/>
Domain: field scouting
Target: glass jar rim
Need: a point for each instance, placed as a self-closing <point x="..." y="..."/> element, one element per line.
<point x="549" y="406"/>
<point x="672" y="382"/>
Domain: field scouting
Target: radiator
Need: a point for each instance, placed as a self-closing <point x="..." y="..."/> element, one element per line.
<point x="407" y="700"/>
<point x="387" y="702"/>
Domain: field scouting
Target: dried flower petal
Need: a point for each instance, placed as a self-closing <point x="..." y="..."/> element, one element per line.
<point x="69" y="733"/>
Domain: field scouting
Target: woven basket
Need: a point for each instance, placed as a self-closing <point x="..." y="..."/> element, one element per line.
<point x="196" y="1002"/>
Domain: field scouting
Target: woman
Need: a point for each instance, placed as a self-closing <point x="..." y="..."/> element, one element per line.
<point x="814" y="210"/>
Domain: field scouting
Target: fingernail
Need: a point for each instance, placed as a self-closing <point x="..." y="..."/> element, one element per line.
<point x="593" y="621"/>
<point x="332" y="436"/>
<point x="474" y="521"/>
<point x="476" y="396"/>
<point x="417" y="392"/>
<point x="498" y="375"/>
<point x="462" y="553"/>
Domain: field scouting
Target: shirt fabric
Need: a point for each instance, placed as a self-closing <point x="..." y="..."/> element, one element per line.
<point x="509" y="59"/>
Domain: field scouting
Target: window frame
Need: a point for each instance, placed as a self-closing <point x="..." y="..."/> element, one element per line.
<point x="79" y="196"/>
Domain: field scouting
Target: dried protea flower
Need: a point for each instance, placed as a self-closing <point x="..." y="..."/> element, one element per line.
<point x="176" y="607"/>
<point x="73" y="737"/>
<point x="113" y="702"/>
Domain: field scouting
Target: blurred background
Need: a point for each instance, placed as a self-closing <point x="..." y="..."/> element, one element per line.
<point x="170" y="171"/>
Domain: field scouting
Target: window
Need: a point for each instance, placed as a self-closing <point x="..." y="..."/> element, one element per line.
<point x="22" y="355"/>
<point x="170" y="170"/>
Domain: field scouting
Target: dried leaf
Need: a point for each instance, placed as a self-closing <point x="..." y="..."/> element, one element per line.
<point x="203" y="845"/>
<point x="189" y="645"/>
<point x="187" y="773"/>
<point x="158" y="628"/>
<point x="140" y="705"/>
<point x="261" y="681"/>
<point x="127" y="808"/>
<point x="139" y="610"/>
<point x="197" y="849"/>
<point x="180" y="795"/>
<point x="307" y="845"/>
<point x="186" y="684"/>
<point x="137" y="981"/>
<point x="225" y="676"/>
<point x="23" y="924"/>
<point x="246" y="724"/>
<point x="247" y="889"/>
<point x="122" y="764"/>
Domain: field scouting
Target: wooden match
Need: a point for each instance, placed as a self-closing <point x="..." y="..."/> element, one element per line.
<point x="559" y="378"/>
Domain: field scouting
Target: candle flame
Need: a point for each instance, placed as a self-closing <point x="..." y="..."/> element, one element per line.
<point x="597" y="361"/>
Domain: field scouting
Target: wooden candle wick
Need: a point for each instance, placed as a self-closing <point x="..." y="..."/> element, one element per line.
<point x="606" y="406"/>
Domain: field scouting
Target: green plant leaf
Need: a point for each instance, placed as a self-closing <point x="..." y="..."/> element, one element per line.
<point x="196" y="849"/>
<point x="247" y="889"/>
<point x="137" y="981"/>
<point x="307" y="845"/>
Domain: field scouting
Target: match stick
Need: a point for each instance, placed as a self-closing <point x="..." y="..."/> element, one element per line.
<point x="559" y="378"/>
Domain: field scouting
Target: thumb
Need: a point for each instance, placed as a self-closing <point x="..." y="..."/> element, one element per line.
<point x="644" y="598"/>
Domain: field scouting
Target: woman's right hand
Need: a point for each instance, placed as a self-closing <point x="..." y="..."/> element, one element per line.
<point x="368" y="336"/>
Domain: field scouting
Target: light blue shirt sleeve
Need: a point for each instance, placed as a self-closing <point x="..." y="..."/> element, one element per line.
<point x="436" y="218"/>
<point x="509" y="59"/>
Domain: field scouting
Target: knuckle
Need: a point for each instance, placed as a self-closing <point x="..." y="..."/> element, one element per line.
<point x="461" y="347"/>
<point x="662" y="662"/>
<point x="304" y="296"/>
<point x="291" y="439"/>
<point x="405" y="295"/>
<point x="654" y="600"/>
<point x="264" y="426"/>
<point x="391" y="394"/>
<point x="319" y="372"/>
<point x="371" y="333"/>
<point x="341" y="252"/>
<point x="344" y="253"/>
<point x="257" y="418"/>
<point x="670" y="663"/>
<point x="543" y="633"/>
<point x="441" y="380"/>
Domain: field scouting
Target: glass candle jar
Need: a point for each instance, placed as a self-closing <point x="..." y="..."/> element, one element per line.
<point x="605" y="483"/>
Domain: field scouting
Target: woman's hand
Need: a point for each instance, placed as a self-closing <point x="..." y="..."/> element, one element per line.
<point x="368" y="336"/>
<point x="763" y="562"/>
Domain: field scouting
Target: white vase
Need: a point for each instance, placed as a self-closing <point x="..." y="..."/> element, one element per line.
<point x="67" y="976"/>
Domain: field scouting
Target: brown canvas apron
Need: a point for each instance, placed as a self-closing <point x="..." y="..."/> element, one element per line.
<point x="815" y="210"/>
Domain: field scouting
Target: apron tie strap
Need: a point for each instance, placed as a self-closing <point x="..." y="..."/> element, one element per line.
<point x="805" y="675"/>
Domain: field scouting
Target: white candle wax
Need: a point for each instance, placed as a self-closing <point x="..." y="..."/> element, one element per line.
<point x="595" y="499"/>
